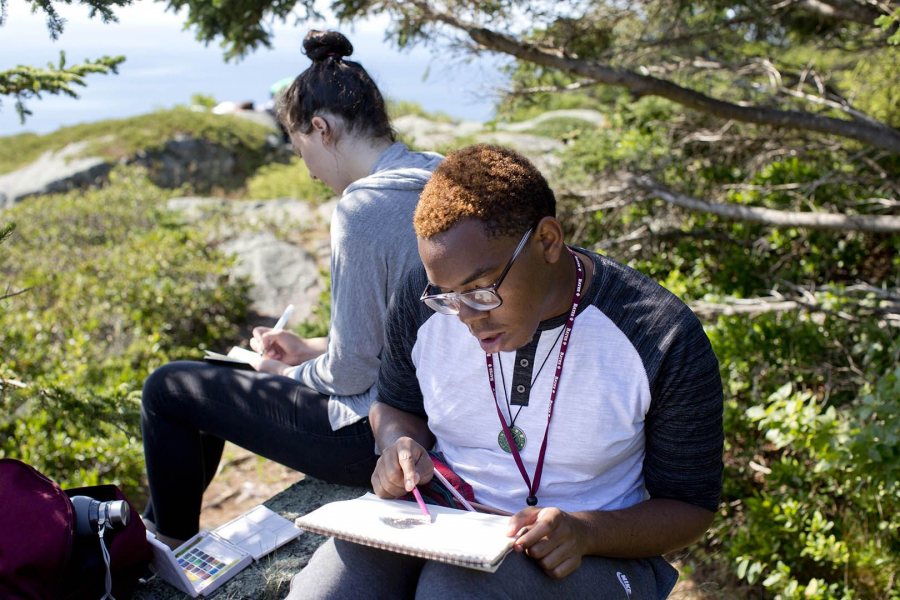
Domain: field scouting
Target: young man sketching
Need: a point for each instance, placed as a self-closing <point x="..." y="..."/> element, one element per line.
<point x="565" y="388"/>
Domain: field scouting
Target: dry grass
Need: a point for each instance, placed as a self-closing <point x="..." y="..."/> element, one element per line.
<point x="244" y="480"/>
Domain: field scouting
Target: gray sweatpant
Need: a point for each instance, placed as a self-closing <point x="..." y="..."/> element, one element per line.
<point x="343" y="570"/>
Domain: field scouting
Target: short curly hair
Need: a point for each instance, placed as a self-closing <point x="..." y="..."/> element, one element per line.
<point x="492" y="184"/>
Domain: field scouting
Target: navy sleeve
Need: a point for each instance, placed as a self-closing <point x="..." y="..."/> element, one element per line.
<point x="683" y="426"/>
<point x="685" y="439"/>
<point x="397" y="383"/>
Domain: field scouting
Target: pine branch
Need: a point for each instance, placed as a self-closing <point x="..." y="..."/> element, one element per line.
<point x="877" y="135"/>
<point x="24" y="82"/>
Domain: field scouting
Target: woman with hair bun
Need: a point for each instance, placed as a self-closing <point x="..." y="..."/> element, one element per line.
<point x="306" y="404"/>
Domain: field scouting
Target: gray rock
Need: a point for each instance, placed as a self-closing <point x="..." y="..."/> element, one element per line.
<point x="53" y="172"/>
<point x="590" y="116"/>
<point x="281" y="274"/>
<point x="287" y="212"/>
<point x="270" y="577"/>
<point x="430" y="135"/>
<point x="542" y="151"/>
<point x="182" y="159"/>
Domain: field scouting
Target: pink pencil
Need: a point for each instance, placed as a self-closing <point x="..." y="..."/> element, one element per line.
<point x="452" y="490"/>
<point x="421" y="502"/>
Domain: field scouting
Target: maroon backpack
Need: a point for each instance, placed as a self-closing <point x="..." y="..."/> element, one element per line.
<point x="40" y="554"/>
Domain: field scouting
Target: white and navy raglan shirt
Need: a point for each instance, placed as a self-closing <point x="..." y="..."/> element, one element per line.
<point x="638" y="412"/>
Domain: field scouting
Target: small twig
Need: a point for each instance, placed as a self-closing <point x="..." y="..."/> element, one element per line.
<point x="544" y="89"/>
<point x="9" y="294"/>
<point x="13" y="383"/>
<point x="221" y="499"/>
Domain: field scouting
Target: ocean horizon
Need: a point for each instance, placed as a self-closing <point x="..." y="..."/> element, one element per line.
<point x="165" y="66"/>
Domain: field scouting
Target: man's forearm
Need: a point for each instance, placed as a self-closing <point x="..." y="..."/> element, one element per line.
<point x="650" y="528"/>
<point x="389" y="424"/>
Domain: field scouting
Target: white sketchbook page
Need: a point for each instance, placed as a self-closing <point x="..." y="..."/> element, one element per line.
<point x="258" y="531"/>
<point x="237" y="357"/>
<point x="236" y="354"/>
<point x="401" y="524"/>
<point x="248" y="356"/>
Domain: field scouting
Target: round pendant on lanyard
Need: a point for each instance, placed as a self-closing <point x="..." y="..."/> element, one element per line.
<point x="518" y="438"/>
<point x="510" y="437"/>
<point x="519" y="434"/>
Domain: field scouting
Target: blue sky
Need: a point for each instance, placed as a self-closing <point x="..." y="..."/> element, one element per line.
<point x="165" y="66"/>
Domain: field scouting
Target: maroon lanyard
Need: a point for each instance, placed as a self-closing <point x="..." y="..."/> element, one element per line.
<point x="570" y="323"/>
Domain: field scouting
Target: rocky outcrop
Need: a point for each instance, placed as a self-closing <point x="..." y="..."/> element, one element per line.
<point x="204" y="164"/>
<point x="282" y="269"/>
<point x="52" y="172"/>
<point x="542" y="151"/>
<point x="186" y="159"/>
<point x="427" y="134"/>
<point x="183" y="159"/>
<point x="279" y="272"/>
<point x="591" y="117"/>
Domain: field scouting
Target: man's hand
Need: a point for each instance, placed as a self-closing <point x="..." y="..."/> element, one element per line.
<point x="555" y="539"/>
<point x="401" y="467"/>
<point x="285" y="347"/>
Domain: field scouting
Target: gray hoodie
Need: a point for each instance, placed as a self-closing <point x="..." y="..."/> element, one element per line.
<point x="372" y="245"/>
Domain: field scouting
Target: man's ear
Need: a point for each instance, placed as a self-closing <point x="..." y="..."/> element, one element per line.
<point x="549" y="234"/>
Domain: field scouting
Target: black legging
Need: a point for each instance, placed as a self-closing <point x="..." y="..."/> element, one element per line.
<point x="189" y="410"/>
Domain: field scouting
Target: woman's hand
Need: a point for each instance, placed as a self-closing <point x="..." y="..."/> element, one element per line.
<point x="285" y="347"/>
<point x="401" y="467"/>
<point x="555" y="539"/>
<point x="276" y="367"/>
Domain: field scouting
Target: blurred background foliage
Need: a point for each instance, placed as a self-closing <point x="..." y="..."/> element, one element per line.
<point x="110" y="288"/>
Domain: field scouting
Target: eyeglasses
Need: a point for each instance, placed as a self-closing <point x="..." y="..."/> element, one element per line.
<point x="482" y="299"/>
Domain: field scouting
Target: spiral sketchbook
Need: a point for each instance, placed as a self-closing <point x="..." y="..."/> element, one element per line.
<point x="467" y="539"/>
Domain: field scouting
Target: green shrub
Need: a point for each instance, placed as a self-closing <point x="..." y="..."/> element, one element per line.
<point x="824" y="522"/>
<point x="204" y="101"/>
<point x="562" y="128"/>
<point x="401" y="108"/>
<point x="292" y="180"/>
<point x="114" y="139"/>
<point x="320" y="320"/>
<point x="115" y="289"/>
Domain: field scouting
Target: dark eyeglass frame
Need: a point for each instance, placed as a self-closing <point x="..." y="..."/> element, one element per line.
<point x="449" y="303"/>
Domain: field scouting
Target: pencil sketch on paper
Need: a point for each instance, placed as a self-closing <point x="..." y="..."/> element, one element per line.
<point x="404" y="523"/>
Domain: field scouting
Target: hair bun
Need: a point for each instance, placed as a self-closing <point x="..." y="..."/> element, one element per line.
<point x="319" y="45"/>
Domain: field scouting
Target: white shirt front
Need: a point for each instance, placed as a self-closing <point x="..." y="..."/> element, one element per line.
<point x="595" y="448"/>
